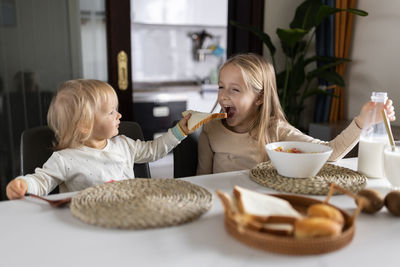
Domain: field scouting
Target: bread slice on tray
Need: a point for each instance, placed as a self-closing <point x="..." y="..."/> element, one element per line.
<point x="261" y="205"/>
<point x="199" y="118"/>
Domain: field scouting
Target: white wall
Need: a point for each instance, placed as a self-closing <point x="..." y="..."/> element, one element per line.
<point x="375" y="55"/>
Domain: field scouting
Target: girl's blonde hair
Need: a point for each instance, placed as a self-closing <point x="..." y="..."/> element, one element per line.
<point x="72" y="111"/>
<point x="259" y="75"/>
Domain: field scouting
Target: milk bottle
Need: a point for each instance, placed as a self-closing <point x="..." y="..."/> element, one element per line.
<point x="372" y="140"/>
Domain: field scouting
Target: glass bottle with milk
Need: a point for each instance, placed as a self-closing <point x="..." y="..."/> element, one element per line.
<point x="373" y="140"/>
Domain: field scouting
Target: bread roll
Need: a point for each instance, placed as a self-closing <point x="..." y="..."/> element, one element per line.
<point x="325" y="211"/>
<point x="316" y="227"/>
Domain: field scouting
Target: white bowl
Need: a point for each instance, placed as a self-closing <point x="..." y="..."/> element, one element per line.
<point x="298" y="165"/>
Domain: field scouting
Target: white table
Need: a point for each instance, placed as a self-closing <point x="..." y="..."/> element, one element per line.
<point x="34" y="234"/>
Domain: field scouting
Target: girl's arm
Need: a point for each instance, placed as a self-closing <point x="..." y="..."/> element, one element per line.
<point x="347" y="139"/>
<point x="341" y="145"/>
<point x="205" y="155"/>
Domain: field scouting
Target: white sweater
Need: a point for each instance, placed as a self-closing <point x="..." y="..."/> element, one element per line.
<point x="77" y="169"/>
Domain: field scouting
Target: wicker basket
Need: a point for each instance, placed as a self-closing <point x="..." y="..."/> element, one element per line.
<point x="289" y="244"/>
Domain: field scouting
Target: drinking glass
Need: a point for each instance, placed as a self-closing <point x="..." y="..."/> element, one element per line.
<point x="391" y="161"/>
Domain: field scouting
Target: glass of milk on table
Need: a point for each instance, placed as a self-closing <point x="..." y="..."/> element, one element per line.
<point x="373" y="140"/>
<point x="391" y="159"/>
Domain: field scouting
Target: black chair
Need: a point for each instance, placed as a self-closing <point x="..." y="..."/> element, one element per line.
<point x="185" y="155"/>
<point x="134" y="131"/>
<point x="36" y="147"/>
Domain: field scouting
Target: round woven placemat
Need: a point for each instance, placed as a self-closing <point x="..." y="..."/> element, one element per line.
<point x="265" y="174"/>
<point x="141" y="203"/>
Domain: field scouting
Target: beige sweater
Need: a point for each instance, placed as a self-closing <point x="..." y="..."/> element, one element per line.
<point x="221" y="150"/>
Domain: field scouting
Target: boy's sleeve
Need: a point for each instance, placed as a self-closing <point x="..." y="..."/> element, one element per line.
<point x="45" y="179"/>
<point x="148" y="151"/>
<point x="178" y="132"/>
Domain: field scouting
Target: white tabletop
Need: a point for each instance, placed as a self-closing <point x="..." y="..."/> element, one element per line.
<point x="34" y="234"/>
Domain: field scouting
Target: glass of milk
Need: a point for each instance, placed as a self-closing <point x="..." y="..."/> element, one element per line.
<point x="391" y="160"/>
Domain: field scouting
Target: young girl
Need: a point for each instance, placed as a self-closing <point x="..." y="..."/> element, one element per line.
<point x="247" y="93"/>
<point x="84" y="117"/>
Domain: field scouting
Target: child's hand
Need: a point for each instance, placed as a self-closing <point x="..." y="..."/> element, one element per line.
<point x="390" y="110"/>
<point x="16" y="189"/>
<point x="183" y="123"/>
<point x="369" y="106"/>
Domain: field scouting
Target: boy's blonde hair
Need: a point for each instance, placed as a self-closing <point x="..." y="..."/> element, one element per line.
<point x="259" y="75"/>
<point x="72" y="111"/>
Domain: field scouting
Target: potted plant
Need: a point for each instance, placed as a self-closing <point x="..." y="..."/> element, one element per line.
<point x="296" y="81"/>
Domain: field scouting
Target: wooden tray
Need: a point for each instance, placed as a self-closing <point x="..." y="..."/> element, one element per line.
<point x="291" y="245"/>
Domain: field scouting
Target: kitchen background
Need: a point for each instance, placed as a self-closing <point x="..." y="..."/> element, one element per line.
<point x="44" y="42"/>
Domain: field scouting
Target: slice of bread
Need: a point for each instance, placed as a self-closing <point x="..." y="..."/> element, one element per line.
<point x="199" y="118"/>
<point x="261" y="206"/>
<point x="258" y="211"/>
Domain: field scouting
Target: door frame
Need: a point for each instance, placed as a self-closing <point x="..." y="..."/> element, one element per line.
<point x="119" y="39"/>
<point x="245" y="12"/>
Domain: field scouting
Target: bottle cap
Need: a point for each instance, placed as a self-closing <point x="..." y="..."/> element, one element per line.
<point x="379" y="97"/>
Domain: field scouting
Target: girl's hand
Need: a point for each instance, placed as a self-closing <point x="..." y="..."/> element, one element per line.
<point x="368" y="107"/>
<point x="183" y="123"/>
<point x="16" y="189"/>
<point x="390" y="110"/>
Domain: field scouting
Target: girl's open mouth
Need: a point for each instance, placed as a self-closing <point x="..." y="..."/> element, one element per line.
<point x="230" y="111"/>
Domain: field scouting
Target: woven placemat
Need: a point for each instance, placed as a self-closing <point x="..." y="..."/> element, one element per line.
<point x="265" y="174"/>
<point x="141" y="203"/>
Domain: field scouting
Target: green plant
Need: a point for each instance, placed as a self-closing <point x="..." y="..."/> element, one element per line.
<point x="296" y="81"/>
